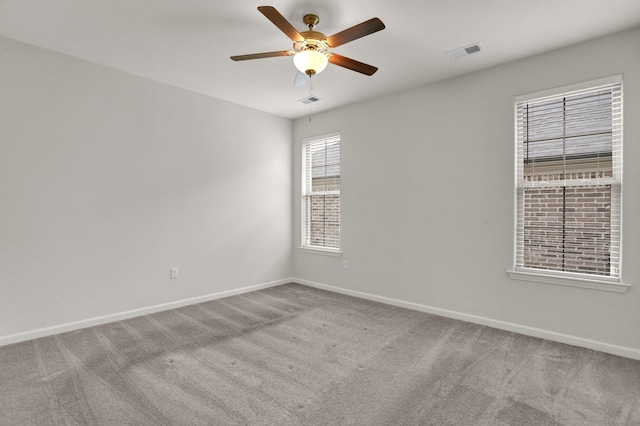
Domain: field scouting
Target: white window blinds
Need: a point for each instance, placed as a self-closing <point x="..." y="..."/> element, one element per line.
<point x="321" y="193"/>
<point x="568" y="178"/>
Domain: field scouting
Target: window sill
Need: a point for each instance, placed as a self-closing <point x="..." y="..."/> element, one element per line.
<point x="593" y="284"/>
<point x="321" y="251"/>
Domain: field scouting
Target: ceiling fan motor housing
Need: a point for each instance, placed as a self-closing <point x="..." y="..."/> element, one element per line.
<point x="313" y="40"/>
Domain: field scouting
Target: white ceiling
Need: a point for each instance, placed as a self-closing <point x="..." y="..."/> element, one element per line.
<point x="187" y="43"/>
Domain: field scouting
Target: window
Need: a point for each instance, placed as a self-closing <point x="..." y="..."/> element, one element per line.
<point x="568" y="180"/>
<point x="321" y="193"/>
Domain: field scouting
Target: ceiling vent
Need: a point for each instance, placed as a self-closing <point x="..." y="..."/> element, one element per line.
<point x="464" y="51"/>
<point x="309" y="99"/>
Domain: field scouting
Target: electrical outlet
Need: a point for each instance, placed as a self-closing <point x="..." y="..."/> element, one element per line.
<point x="345" y="264"/>
<point x="173" y="273"/>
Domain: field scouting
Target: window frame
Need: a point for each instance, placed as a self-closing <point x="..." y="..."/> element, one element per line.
<point x="305" y="247"/>
<point x="572" y="279"/>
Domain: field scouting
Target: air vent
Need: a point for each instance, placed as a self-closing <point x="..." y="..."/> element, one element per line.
<point x="464" y="51"/>
<point x="309" y="99"/>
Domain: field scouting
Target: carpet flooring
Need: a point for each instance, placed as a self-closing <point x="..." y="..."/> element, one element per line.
<point x="295" y="355"/>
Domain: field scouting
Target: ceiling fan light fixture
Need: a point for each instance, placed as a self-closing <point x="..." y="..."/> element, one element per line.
<point x="310" y="61"/>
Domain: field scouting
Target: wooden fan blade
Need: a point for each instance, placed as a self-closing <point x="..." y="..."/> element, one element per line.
<point x="262" y="55"/>
<point x="352" y="64"/>
<point x="365" y="28"/>
<point x="281" y="22"/>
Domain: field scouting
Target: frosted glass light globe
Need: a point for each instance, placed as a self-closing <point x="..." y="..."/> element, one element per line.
<point x="310" y="61"/>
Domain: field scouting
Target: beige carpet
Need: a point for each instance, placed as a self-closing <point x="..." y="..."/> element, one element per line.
<point x="293" y="355"/>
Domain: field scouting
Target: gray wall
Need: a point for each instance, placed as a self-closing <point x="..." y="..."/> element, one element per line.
<point x="108" y="180"/>
<point x="428" y="198"/>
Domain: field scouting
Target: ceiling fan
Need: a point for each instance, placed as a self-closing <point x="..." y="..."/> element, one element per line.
<point x="312" y="49"/>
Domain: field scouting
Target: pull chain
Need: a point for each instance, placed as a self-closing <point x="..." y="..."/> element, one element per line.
<point x="310" y="95"/>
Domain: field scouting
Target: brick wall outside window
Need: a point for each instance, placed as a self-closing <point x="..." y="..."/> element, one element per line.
<point x="325" y="220"/>
<point x="568" y="228"/>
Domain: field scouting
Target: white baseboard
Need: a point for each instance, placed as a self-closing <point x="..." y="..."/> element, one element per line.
<point x="90" y="322"/>
<point x="502" y="325"/>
